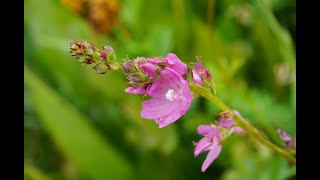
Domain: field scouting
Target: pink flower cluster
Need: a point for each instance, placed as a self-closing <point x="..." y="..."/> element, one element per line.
<point x="164" y="80"/>
<point x="164" y="83"/>
<point x="213" y="135"/>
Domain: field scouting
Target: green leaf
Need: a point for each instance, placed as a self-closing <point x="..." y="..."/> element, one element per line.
<point x="73" y="134"/>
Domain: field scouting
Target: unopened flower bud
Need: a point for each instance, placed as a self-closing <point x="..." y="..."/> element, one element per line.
<point x="73" y="46"/>
<point x="83" y="51"/>
<point x="101" y="68"/>
<point x="201" y="75"/>
<point x="226" y="121"/>
<point x="89" y="52"/>
<point x="137" y="81"/>
<point x="139" y="61"/>
<point x="289" y="142"/>
<point x="108" y="54"/>
<point x="86" y="53"/>
<point x="82" y="59"/>
<point x="129" y="67"/>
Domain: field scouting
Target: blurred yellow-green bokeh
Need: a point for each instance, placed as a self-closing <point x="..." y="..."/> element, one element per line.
<point x="80" y="125"/>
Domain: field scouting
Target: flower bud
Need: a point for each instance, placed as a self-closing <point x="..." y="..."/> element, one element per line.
<point x="139" y="61"/>
<point x="289" y="142"/>
<point x="201" y="75"/>
<point x="129" y="67"/>
<point x="108" y="54"/>
<point x="226" y="121"/>
<point x="101" y="68"/>
<point x="137" y="81"/>
<point x="83" y="51"/>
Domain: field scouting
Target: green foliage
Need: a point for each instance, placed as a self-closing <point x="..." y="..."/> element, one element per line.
<point x="82" y="125"/>
<point x="76" y="138"/>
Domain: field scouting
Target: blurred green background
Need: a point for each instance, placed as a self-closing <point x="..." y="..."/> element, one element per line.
<point x="80" y="125"/>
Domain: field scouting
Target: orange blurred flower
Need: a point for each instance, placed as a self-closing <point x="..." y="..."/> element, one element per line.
<point x="101" y="14"/>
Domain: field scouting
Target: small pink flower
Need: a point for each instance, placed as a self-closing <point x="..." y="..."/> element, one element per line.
<point x="171" y="98"/>
<point x="289" y="142"/>
<point x="210" y="142"/>
<point x="200" y="74"/>
<point x="227" y="122"/>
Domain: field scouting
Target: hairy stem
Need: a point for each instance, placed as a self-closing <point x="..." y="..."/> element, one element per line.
<point x="244" y="124"/>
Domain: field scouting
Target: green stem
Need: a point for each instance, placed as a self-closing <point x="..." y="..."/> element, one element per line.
<point x="244" y="124"/>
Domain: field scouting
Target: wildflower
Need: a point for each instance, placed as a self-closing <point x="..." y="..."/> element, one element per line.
<point x="226" y="121"/>
<point x="289" y="141"/>
<point x="210" y="142"/>
<point x="171" y="98"/>
<point x="162" y="79"/>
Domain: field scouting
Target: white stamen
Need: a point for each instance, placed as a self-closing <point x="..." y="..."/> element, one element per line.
<point x="170" y="95"/>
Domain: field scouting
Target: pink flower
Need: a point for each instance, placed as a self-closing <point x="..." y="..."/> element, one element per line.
<point x="171" y="98"/>
<point x="210" y="142"/>
<point x="227" y="122"/>
<point x="289" y="142"/>
<point x="201" y="75"/>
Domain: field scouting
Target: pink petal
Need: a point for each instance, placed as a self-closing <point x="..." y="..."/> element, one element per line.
<point x="169" y="80"/>
<point x="285" y="137"/>
<point x="239" y="130"/>
<point x="236" y="113"/>
<point x="155" y="60"/>
<point x="187" y="95"/>
<point x="226" y="123"/>
<point x="212" y="155"/>
<point x="196" y="77"/>
<point x="174" y="75"/>
<point x="184" y="104"/>
<point x="160" y="87"/>
<point x="168" y="119"/>
<point x="176" y="64"/>
<point x="203" y="145"/>
<point x="149" y="69"/>
<point x="200" y="73"/>
<point x="166" y="110"/>
<point x="209" y="131"/>
<point x="140" y="90"/>
<point x="158" y="108"/>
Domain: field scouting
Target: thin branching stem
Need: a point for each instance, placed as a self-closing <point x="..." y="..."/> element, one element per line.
<point x="248" y="127"/>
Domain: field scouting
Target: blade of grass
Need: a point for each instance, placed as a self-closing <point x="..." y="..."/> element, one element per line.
<point x="73" y="134"/>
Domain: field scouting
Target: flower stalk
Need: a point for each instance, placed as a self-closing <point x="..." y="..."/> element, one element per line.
<point x="169" y="82"/>
<point x="249" y="128"/>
